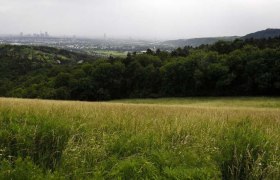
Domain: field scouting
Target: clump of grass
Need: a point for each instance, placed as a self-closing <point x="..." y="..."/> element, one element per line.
<point x="24" y="169"/>
<point x="39" y="138"/>
<point x="134" y="167"/>
<point x="136" y="156"/>
<point x="246" y="153"/>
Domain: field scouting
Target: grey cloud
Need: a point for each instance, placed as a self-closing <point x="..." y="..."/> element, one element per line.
<point x="163" y="19"/>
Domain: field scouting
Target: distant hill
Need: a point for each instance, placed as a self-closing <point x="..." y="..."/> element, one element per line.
<point x="198" y="41"/>
<point x="41" y="54"/>
<point x="264" y="34"/>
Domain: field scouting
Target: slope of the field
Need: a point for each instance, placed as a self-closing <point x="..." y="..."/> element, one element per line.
<point x="211" y="138"/>
<point x="225" y="102"/>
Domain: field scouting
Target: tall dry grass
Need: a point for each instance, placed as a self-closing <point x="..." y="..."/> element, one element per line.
<point x="195" y="139"/>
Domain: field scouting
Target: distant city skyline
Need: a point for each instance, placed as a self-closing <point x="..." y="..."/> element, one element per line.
<point x="139" y="19"/>
<point x="44" y="33"/>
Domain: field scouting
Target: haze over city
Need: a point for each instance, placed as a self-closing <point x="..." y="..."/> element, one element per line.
<point x="156" y="19"/>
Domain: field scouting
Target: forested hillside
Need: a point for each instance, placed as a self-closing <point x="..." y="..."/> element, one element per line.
<point x="195" y="42"/>
<point x="240" y="68"/>
<point x="268" y="33"/>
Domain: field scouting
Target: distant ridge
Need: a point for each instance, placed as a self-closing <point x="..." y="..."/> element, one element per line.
<point x="198" y="41"/>
<point x="264" y="34"/>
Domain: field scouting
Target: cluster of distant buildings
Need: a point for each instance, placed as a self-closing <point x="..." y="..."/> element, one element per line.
<point x="39" y="35"/>
<point x="81" y="44"/>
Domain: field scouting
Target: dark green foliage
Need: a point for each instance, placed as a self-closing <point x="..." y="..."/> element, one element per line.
<point x="239" y="68"/>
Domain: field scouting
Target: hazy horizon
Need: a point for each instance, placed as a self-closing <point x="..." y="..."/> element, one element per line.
<point x="139" y="19"/>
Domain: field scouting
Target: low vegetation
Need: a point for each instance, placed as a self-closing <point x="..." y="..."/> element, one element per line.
<point x="194" y="138"/>
<point x="107" y="53"/>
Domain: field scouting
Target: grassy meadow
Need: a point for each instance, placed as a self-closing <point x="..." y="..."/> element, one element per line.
<point x="191" y="138"/>
<point x="107" y="53"/>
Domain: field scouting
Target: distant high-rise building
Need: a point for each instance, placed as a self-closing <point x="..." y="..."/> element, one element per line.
<point x="21" y="34"/>
<point x="42" y="34"/>
<point x="46" y="34"/>
<point x="105" y="36"/>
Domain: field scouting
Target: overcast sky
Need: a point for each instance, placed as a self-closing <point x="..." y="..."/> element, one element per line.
<point x="156" y="19"/>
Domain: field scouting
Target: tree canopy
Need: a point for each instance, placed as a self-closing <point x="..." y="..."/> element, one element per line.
<point x="239" y="68"/>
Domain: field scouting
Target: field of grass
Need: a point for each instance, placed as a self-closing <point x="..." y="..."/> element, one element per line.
<point x="249" y="102"/>
<point x="107" y="53"/>
<point x="193" y="138"/>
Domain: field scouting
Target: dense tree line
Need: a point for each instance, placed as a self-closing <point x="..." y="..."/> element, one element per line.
<point x="239" y="68"/>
